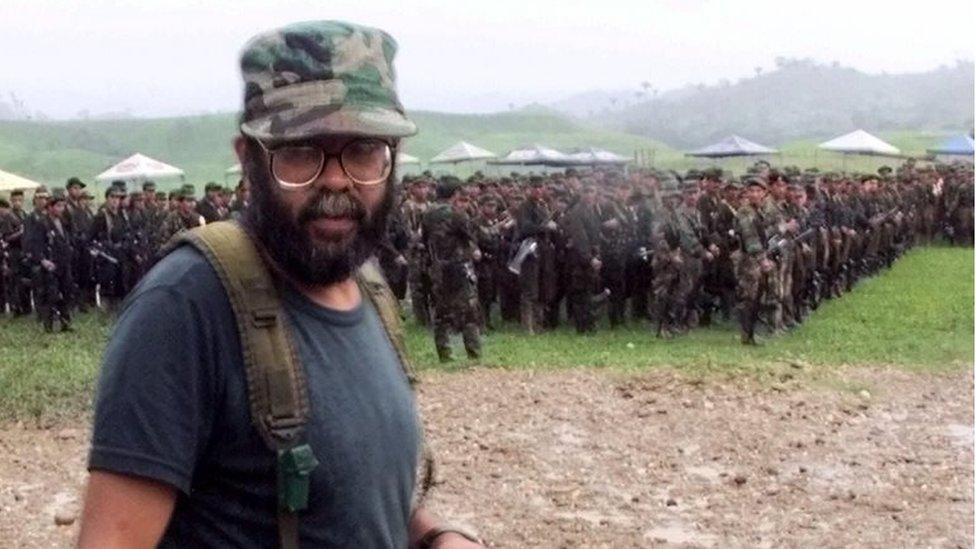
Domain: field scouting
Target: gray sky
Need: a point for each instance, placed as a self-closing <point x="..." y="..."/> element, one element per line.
<point x="169" y="57"/>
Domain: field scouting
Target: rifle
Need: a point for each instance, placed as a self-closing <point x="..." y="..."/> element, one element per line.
<point x="776" y="245"/>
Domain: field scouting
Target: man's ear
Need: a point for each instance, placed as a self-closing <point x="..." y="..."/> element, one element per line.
<point x="240" y="148"/>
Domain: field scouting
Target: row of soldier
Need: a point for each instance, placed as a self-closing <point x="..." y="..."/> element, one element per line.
<point x="64" y="255"/>
<point x="765" y="249"/>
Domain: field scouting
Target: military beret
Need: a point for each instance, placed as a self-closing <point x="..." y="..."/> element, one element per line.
<point x="74" y="182"/>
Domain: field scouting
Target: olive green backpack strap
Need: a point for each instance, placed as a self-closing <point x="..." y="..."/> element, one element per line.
<point x="276" y="385"/>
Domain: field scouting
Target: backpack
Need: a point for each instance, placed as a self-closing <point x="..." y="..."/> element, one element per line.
<point x="276" y="384"/>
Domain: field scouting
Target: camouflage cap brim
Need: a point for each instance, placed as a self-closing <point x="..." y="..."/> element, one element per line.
<point x="309" y="122"/>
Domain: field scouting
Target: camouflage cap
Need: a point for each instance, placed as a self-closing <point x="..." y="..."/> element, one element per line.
<point x="57" y="195"/>
<point x="318" y="78"/>
<point x="187" y="191"/>
<point x="74" y="182"/>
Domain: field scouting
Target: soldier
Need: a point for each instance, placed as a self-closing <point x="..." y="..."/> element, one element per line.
<point x="449" y="240"/>
<point x="750" y="259"/>
<point x="13" y="236"/>
<point x="154" y="214"/>
<point x="110" y="238"/>
<point x="582" y="226"/>
<point x="34" y="237"/>
<point x="79" y="219"/>
<point x="418" y="278"/>
<point x="534" y="222"/>
<point x="6" y="273"/>
<point x="212" y="208"/>
<point x="184" y="216"/>
<point x="489" y="225"/>
<point x="55" y="292"/>
<point x="618" y="227"/>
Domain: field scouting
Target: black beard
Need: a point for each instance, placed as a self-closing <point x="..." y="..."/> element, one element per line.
<point x="288" y="241"/>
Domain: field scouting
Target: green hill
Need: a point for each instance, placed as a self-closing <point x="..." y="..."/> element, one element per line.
<point x="50" y="152"/>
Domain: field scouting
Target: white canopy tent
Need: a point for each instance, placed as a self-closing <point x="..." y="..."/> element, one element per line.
<point x="404" y="158"/>
<point x="860" y="142"/>
<point x="139" y="167"/>
<point x="533" y="155"/>
<point x="462" y="151"/>
<point x="732" y="145"/>
<point x="12" y="182"/>
<point x="597" y="157"/>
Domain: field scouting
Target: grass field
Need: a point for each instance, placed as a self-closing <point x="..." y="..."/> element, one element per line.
<point x="917" y="316"/>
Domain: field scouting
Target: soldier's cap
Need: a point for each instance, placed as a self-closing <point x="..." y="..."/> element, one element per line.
<point x="187" y="191"/>
<point x="136" y="195"/>
<point x="319" y="78"/>
<point x="536" y="181"/>
<point x="4" y="203"/>
<point x="174" y="195"/>
<point x="87" y="196"/>
<point x="670" y="187"/>
<point x="149" y="186"/>
<point x="211" y="186"/>
<point x="41" y="192"/>
<point x="732" y="184"/>
<point x="868" y="177"/>
<point x="753" y="181"/>
<point x="486" y="199"/>
<point x="57" y="195"/>
<point x="160" y="195"/>
<point x="713" y="174"/>
<point x="693" y="174"/>
<point x="447" y="186"/>
<point x="885" y="170"/>
<point x="74" y="182"/>
<point x="112" y="190"/>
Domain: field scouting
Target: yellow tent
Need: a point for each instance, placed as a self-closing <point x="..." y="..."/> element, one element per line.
<point x="11" y="182"/>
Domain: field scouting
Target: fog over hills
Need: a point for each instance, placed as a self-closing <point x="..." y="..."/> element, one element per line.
<point x="798" y="99"/>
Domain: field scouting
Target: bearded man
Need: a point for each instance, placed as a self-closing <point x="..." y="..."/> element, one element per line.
<point x="176" y="460"/>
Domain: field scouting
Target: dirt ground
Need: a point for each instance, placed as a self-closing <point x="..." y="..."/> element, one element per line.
<point x="596" y="459"/>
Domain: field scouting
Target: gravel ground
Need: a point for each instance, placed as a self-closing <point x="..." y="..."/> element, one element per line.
<point x="587" y="458"/>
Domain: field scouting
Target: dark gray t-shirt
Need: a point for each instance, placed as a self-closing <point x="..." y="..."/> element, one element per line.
<point x="172" y="406"/>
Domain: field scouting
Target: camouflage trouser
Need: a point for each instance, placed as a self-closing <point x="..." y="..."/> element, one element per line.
<point x="456" y="308"/>
<point x="487" y="289"/>
<point x="583" y="282"/>
<point x="672" y="285"/>
<point x="54" y="295"/>
<point x="748" y="276"/>
<point x="530" y="305"/>
<point x="418" y="281"/>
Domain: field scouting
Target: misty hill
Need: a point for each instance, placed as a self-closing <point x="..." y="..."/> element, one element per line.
<point x="799" y="99"/>
<point x="51" y="152"/>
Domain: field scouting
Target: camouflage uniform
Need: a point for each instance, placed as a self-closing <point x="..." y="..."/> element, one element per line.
<point x="449" y="239"/>
<point x="418" y="278"/>
<point x="750" y="228"/>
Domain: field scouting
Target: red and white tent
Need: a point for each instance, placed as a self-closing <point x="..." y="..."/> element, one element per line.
<point x="139" y="166"/>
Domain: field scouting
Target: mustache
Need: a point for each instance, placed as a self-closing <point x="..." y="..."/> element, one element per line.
<point x="332" y="204"/>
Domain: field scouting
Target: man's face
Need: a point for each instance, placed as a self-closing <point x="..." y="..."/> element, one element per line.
<point x="138" y="204"/>
<point x="16" y="203"/>
<point x="755" y="194"/>
<point x="113" y="201"/>
<point x="187" y="205"/>
<point x="56" y="209"/>
<point x="691" y="198"/>
<point x="778" y="189"/>
<point x="40" y="203"/>
<point x="74" y="192"/>
<point x="489" y="209"/>
<point x="589" y="196"/>
<point x="321" y="233"/>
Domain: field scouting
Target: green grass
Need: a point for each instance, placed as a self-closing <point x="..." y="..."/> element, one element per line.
<point x="918" y="316"/>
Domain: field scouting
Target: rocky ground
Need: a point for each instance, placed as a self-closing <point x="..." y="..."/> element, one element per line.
<point x="859" y="458"/>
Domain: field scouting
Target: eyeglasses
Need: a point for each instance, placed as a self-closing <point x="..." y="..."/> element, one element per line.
<point x="366" y="161"/>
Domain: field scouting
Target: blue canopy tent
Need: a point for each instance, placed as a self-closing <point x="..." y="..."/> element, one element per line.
<point x="732" y="145"/>
<point x="961" y="145"/>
